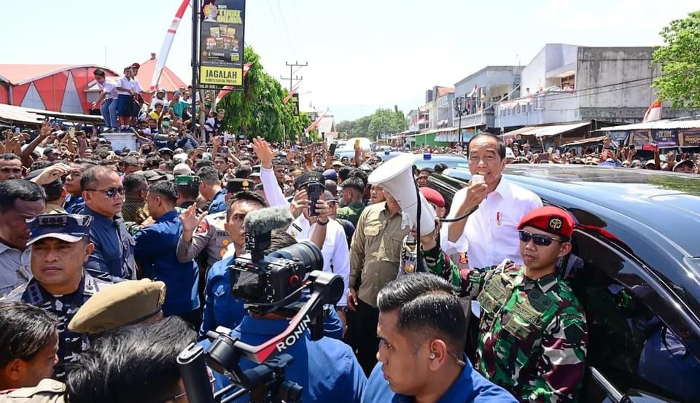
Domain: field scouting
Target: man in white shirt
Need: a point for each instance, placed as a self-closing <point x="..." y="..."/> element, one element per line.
<point x="334" y="245"/>
<point x="108" y="97"/>
<point x="490" y="234"/>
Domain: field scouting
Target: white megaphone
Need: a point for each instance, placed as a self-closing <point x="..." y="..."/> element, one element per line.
<point x="396" y="177"/>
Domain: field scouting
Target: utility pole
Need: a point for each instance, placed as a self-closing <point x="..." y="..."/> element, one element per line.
<point x="292" y="72"/>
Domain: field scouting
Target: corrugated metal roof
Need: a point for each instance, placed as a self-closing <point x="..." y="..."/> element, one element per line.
<point x="544" y="131"/>
<point x="659" y="124"/>
<point x="18" y="74"/>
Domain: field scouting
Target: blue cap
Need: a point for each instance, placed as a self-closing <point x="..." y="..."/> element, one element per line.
<point x="66" y="227"/>
<point x="330" y="174"/>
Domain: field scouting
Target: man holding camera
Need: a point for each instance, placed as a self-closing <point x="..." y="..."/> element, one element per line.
<point x="326" y="233"/>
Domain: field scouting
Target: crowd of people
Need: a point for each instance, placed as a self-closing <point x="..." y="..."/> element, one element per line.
<point x="112" y="262"/>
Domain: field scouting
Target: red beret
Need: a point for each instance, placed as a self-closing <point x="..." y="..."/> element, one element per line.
<point x="550" y="219"/>
<point x="433" y="196"/>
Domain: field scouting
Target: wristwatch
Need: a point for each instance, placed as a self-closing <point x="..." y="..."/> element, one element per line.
<point x="323" y="224"/>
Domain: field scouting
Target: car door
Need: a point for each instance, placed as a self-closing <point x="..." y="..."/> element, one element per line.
<point x="638" y="345"/>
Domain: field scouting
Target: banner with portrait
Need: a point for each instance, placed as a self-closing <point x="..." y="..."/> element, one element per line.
<point x="222" y="36"/>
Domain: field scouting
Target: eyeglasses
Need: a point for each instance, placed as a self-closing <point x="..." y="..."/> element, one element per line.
<point x="540" y="240"/>
<point x="109" y="192"/>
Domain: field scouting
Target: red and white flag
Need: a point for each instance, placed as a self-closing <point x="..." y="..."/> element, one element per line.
<point x="290" y="94"/>
<point x="474" y="91"/>
<point x="653" y="112"/>
<point x="165" y="49"/>
<point x="315" y="124"/>
<point x="229" y="88"/>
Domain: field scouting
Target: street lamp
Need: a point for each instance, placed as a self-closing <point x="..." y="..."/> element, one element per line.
<point x="460" y="108"/>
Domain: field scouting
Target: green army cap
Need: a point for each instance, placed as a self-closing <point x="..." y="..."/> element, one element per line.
<point x="187" y="180"/>
<point x="118" y="305"/>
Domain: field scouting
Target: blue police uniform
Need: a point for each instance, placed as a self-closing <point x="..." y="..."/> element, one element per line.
<point x="222" y="309"/>
<point x="327" y="368"/>
<point x="218" y="203"/>
<point x="74" y="204"/>
<point x="155" y="252"/>
<point x="469" y="387"/>
<point x="113" y="257"/>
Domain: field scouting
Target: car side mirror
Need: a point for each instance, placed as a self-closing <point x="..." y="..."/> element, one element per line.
<point x="637" y="396"/>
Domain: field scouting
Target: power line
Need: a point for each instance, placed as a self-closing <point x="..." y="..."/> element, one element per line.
<point x="284" y="25"/>
<point x="292" y="73"/>
<point x="274" y="18"/>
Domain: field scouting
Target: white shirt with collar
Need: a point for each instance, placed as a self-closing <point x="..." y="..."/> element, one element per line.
<point x="491" y="232"/>
<point x="125" y="83"/>
<point x="15" y="268"/>
<point x="136" y="86"/>
<point x="335" y="251"/>
<point x="108" y="88"/>
<point x="273" y="192"/>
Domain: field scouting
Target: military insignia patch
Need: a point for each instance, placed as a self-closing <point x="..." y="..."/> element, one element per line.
<point x="161" y="298"/>
<point x="245" y="185"/>
<point x="555" y="224"/>
<point x="203" y="227"/>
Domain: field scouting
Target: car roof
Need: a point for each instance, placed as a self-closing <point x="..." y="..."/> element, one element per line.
<point x="666" y="202"/>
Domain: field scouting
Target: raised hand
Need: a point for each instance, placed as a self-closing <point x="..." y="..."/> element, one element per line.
<point x="263" y="152"/>
<point x="190" y="220"/>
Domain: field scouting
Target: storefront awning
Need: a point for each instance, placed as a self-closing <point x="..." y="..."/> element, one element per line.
<point x="591" y="140"/>
<point x="544" y="131"/>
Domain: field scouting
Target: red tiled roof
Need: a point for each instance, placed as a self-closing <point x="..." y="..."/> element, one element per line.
<point x="442" y="91"/>
<point x="17" y="74"/>
<point x="169" y="81"/>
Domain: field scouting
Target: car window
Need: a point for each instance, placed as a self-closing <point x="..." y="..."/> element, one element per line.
<point x="631" y="342"/>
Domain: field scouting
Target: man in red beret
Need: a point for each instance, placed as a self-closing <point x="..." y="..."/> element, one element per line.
<point x="532" y="333"/>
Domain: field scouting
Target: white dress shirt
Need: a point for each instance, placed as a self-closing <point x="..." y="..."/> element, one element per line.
<point x="491" y="232"/>
<point x="15" y="268"/>
<point x="108" y="88"/>
<point x="125" y="83"/>
<point x="273" y="192"/>
<point x="136" y="86"/>
<point x="335" y="251"/>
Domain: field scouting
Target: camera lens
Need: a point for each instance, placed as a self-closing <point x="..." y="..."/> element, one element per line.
<point x="308" y="254"/>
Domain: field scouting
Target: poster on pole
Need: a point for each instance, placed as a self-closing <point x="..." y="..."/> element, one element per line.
<point x="222" y="36"/>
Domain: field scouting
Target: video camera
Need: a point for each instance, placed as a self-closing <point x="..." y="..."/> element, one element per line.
<point x="266" y="283"/>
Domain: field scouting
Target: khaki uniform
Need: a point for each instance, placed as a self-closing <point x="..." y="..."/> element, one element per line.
<point x="47" y="391"/>
<point x="210" y="236"/>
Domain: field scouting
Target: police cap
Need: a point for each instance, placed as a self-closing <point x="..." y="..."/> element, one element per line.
<point x="238" y="185"/>
<point x="66" y="227"/>
<point x="121" y="304"/>
<point x="550" y="219"/>
<point x="304" y="179"/>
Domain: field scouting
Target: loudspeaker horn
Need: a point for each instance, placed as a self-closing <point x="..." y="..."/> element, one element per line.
<point x="396" y="176"/>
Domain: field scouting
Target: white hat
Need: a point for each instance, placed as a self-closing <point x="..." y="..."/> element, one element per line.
<point x="509" y="153"/>
<point x="182" y="169"/>
<point x="180" y="158"/>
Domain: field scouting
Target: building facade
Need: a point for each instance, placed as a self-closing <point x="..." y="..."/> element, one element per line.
<point x="568" y="83"/>
<point x="477" y="93"/>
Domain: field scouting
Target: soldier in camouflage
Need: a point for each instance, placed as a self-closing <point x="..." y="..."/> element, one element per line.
<point x="533" y="334"/>
<point x="60" y="248"/>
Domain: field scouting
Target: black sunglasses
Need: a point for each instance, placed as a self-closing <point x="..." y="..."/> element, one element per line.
<point x="540" y="240"/>
<point x="109" y="192"/>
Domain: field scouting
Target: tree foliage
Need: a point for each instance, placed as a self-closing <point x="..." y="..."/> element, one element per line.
<point x="258" y="110"/>
<point x="680" y="61"/>
<point x="382" y="121"/>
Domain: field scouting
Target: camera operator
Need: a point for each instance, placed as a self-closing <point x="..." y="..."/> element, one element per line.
<point x="326" y="369"/>
<point x="421" y="331"/>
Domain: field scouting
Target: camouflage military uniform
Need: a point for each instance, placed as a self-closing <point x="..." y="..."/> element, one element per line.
<point x="532" y="334"/>
<point x="47" y="391"/>
<point x="210" y="235"/>
<point x="64" y="307"/>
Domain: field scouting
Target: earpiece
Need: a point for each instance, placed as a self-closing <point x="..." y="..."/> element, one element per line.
<point x="432" y="356"/>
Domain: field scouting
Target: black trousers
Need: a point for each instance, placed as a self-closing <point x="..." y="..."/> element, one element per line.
<point x="366" y="336"/>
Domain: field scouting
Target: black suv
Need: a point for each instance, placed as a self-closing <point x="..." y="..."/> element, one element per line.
<point x="638" y="278"/>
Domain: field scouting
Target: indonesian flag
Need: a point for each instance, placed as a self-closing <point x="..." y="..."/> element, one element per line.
<point x="474" y="91"/>
<point x="165" y="49"/>
<point x="290" y="94"/>
<point x="653" y="112"/>
<point x="314" y="125"/>
<point x="229" y="88"/>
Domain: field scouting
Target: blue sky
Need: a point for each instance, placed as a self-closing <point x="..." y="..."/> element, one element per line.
<point x="362" y="54"/>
